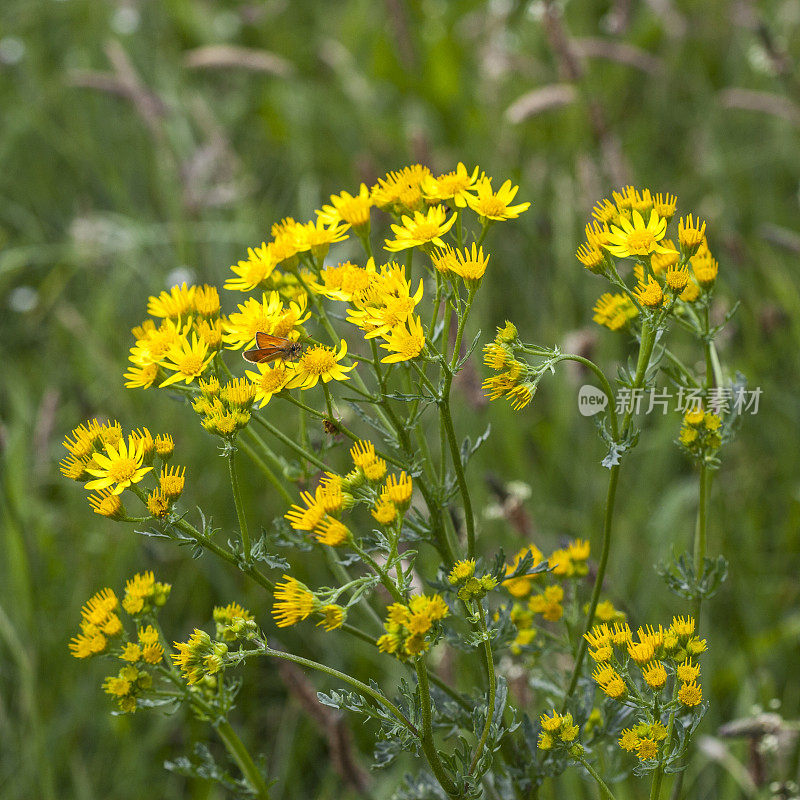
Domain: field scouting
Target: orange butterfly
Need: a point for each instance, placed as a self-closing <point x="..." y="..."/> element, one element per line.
<point x="269" y="348"/>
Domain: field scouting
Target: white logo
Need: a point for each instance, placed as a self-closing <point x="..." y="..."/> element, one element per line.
<point x="591" y="400"/>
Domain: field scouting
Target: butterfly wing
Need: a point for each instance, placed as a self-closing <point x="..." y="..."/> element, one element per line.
<point x="262" y="355"/>
<point x="266" y="340"/>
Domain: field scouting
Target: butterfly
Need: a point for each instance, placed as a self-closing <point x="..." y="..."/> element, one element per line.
<point x="268" y="348"/>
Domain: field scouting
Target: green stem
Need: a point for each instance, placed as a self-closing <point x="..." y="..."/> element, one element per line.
<point x="700" y="534"/>
<point x="237" y="499"/>
<point x="342" y="676"/>
<point x="238" y="752"/>
<point x="428" y="743"/>
<point x="268" y="473"/>
<point x="613" y="479"/>
<point x="655" y="787"/>
<point x="606" y="792"/>
<point x="487" y="647"/>
<point x="455" y="454"/>
<point x="290" y="443"/>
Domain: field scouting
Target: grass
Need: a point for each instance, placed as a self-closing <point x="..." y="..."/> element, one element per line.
<point x="101" y="200"/>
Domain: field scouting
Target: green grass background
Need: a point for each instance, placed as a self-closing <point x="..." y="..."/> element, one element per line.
<point x="102" y="198"/>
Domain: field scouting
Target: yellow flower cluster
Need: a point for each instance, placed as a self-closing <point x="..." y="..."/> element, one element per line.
<point x="700" y="433"/>
<point x="180" y="346"/>
<point x="470" y="586"/>
<point x="514" y="381"/>
<point x="634" y="226"/>
<point x="143" y="594"/>
<point x="100" y="452"/>
<point x="409" y="627"/>
<point x="102" y="631"/>
<point x="224" y="408"/>
<point x="99" y="623"/>
<point x="657" y="654"/>
<point x="382" y="306"/>
<point x="557" y="730"/>
<point x="643" y="739"/>
<point x="294" y="602"/>
<point x="321" y="511"/>
<point x="127" y="685"/>
<point x="201" y="657"/>
<point x="564" y="563"/>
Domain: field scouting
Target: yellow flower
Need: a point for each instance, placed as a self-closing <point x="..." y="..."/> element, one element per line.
<point x="293" y="602"/>
<point x="691" y="234"/>
<point x="629" y="740"/>
<point x="404" y="342"/>
<point x="605" y="212"/>
<point x="398" y="490"/>
<point x="384" y="511"/>
<point x="646" y="748"/>
<point x="333" y="616"/>
<point x="319" y="362"/>
<point x="690" y="694"/>
<point x="655" y="675"/>
<point x="317" y="236"/>
<point x="305" y="519"/>
<point x="635" y="238"/>
<point x="206" y="300"/>
<point x="187" y="360"/>
<point x="267" y="316"/>
<point x="157" y="504"/>
<point x="687" y="671"/>
<point x="210" y="332"/>
<point x="421" y="229"/>
<point x="120" y="467"/>
<point x="461" y="571"/>
<point x="677" y="278"/>
<point x="650" y="294"/>
<point x="332" y="532"/>
<point x="705" y="268"/>
<point x="177" y="302"/>
<point x="470" y="265"/>
<point x="107" y="504"/>
<point x="172" y="481"/>
<point x="641" y="652"/>
<point x="522" y="585"/>
<point x="269" y="381"/>
<point x="401" y="192"/>
<point x="352" y="210"/>
<point x="257" y="268"/>
<point x="495" y="206"/>
<point x="141" y="377"/>
<point x="344" y="280"/>
<point x="614" y="311"/>
<point x="453" y="186"/>
<point x="665" y="205"/>
<point x="591" y="256"/>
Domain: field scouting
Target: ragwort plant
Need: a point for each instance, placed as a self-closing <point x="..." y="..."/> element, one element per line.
<point x="603" y="687"/>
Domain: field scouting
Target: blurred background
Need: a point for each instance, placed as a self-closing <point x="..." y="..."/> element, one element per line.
<point x="146" y="143"/>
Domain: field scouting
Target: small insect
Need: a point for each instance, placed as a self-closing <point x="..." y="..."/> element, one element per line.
<point x="269" y="348"/>
<point x="331" y="427"/>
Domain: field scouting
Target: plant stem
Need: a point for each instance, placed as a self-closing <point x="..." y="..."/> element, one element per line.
<point x="235" y="746"/>
<point x="655" y="787"/>
<point x="613" y="479"/>
<point x="237" y="499"/>
<point x="487" y="647"/>
<point x="349" y="679"/>
<point x="290" y="443"/>
<point x="606" y="792"/>
<point x="700" y="534"/>
<point x="428" y="743"/>
<point x="268" y="473"/>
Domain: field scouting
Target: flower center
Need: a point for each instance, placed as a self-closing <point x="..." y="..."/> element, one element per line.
<point x="122" y="470"/>
<point x="318" y="361"/>
<point x="272" y="380"/>
<point x="191" y="364"/>
<point x="426" y="230"/>
<point x="641" y="242"/>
